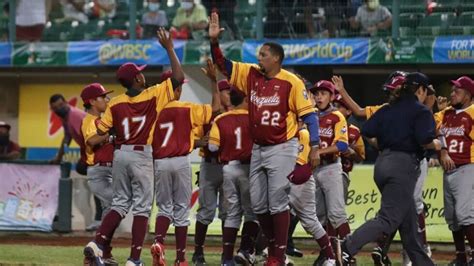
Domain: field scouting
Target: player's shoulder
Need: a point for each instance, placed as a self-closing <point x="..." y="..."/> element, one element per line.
<point x="291" y="78"/>
<point x="338" y="116"/>
<point x="470" y="110"/>
<point x="122" y="98"/>
<point x="354" y="128"/>
<point x="230" y="114"/>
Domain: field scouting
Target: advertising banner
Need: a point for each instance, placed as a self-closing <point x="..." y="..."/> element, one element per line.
<point x="393" y="51"/>
<point x="197" y="52"/>
<point x="362" y="204"/>
<point x="29" y="198"/>
<point x="40" y="54"/>
<point x="314" y="51"/>
<point x="117" y="52"/>
<point x="454" y="49"/>
<point x="5" y="54"/>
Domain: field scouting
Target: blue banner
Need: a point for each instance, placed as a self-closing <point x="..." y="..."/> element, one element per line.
<point x="5" y="54"/>
<point x="117" y="52"/>
<point x="455" y="49"/>
<point x="315" y="52"/>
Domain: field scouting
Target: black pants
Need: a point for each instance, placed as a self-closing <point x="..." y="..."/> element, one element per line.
<point x="395" y="174"/>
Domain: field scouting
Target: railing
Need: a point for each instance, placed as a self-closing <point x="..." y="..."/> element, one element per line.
<point x="78" y="20"/>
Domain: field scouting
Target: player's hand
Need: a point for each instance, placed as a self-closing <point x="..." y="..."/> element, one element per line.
<point x="214" y="27"/>
<point x="446" y="162"/>
<point x="164" y="37"/>
<point x="349" y="153"/>
<point x="210" y="70"/>
<point x="338" y="83"/>
<point x="433" y="162"/>
<point x="314" y="157"/>
<point x="442" y="103"/>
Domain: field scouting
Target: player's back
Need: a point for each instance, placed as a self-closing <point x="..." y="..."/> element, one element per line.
<point x="174" y="130"/>
<point x="234" y="132"/>
<point x="134" y="118"/>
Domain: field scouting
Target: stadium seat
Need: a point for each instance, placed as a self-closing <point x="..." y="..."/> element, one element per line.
<point x="411" y="20"/>
<point x="412" y="6"/>
<point x="435" y="24"/>
<point x="463" y="25"/>
<point x="466" y="6"/>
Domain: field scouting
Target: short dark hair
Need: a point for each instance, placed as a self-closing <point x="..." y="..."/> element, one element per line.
<point x="124" y="83"/>
<point x="236" y="97"/>
<point x="87" y="106"/>
<point x="276" y="49"/>
<point x="56" y="97"/>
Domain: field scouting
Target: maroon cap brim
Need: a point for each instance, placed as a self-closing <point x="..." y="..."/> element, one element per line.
<point x="142" y="67"/>
<point x="456" y="83"/>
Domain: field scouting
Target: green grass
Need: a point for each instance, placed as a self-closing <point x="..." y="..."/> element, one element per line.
<point x="54" y="255"/>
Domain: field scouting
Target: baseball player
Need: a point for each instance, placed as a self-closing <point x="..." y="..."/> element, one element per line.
<point x="276" y="99"/>
<point x="391" y="88"/>
<point x="230" y="136"/>
<point x="396" y="170"/>
<point x="133" y="116"/>
<point x="455" y="125"/>
<point x="173" y="141"/>
<point x="334" y="141"/>
<point x="99" y="153"/>
<point x="211" y="196"/>
<point x="303" y="200"/>
<point x="356" y="150"/>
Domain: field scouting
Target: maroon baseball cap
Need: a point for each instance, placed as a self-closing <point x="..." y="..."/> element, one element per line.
<point x="168" y="74"/>
<point x="128" y="71"/>
<point x="394" y="82"/>
<point x="465" y="83"/>
<point x="223" y="85"/>
<point x="93" y="91"/>
<point x="341" y="101"/>
<point x="300" y="174"/>
<point x="324" y="85"/>
<point x="5" y="125"/>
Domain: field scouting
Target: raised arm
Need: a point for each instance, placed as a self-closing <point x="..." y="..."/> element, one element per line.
<point x="223" y="64"/>
<point x="211" y="72"/>
<point x="353" y="106"/>
<point x="167" y="42"/>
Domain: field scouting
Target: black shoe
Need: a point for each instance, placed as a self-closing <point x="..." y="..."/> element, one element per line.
<point x="380" y="258"/>
<point x="294" y="252"/>
<point x="343" y="258"/>
<point x="198" y="259"/>
<point x="320" y="260"/>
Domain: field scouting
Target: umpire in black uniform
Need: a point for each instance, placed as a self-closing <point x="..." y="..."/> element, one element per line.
<point x="403" y="129"/>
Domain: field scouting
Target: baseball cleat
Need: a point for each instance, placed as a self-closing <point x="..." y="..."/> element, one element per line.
<point x="245" y="258"/>
<point x="131" y="262"/>
<point x="198" y="259"/>
<point x="158" y="254"/>
<point x="380" y="258"/>
<point x="93" y="255"/>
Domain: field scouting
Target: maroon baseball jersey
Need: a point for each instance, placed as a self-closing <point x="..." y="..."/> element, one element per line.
<point x="133" y="118"/>
<point x="356" y="143"/>
<point x="458" y="128"/>
<point x="332" y="128"/>
<point x="230" y="131"/>
<point x="174" y="134"/>
<point x="274" y="104"/>
<point x="102" y="153"/>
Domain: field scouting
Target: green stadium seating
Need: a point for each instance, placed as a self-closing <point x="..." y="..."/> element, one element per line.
<point x="412" y="6"/>
<point x="463" y="25"/>
<point x="435" y="24"/>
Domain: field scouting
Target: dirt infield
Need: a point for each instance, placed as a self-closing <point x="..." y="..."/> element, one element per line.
<point x="440" y="252"/>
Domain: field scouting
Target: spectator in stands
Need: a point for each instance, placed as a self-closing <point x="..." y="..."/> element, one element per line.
<point x="30" y="20"/>
<point x="372" y="17"/>
<point x="4" y="23"/>
<point x="334" y="13"/>
<point x="226" y="10"/>
<point x="101" y="8"/>
<point x="153" y="19"/>
<point x="190" y="21"/>
<point x="9" y="150"/>
<point x="74" y="10"/>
